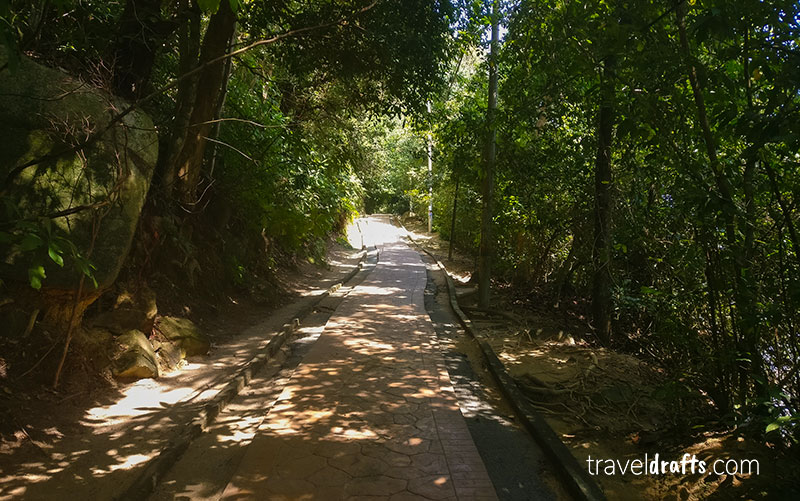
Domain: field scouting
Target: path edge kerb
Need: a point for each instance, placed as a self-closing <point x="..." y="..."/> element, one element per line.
<point x="146" y="482"/>
<point x="579" y="482"/>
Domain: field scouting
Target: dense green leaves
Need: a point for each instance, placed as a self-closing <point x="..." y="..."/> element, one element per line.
<point x="705" y="249"/>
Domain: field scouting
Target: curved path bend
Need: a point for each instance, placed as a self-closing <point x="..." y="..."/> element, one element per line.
<point x="370" y="413"/>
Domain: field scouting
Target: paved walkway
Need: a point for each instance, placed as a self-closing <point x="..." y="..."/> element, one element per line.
<point x="370" y="413"/>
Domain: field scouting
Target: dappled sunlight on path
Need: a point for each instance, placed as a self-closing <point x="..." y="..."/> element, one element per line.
<point x="99" y="453"/>
<point x="371" y="410"/>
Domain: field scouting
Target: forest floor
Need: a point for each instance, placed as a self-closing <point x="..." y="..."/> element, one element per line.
<point x="94" y="435"/>
<point x="607" y="404"/>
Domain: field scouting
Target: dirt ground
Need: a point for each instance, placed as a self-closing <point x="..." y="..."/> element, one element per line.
<point x="93" y="436"/>
<point x="609" y="405"/>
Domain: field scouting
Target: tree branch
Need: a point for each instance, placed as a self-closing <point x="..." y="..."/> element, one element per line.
<point x="121" y="115"/>
<point x="61" y="213"/>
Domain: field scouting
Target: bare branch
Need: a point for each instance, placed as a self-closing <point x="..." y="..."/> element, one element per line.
<point x="251" y="122"/>
<point x="231" y="147"/>
<point x="61" y="213"/>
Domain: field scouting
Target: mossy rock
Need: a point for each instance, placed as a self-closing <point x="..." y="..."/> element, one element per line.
<point x="184" y="333"/>
<point x="42" y="112"/>
<point x="137" y="359"/>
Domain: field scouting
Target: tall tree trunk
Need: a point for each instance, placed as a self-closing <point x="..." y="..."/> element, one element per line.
<point x="453" y="224"/>
<point x="745" y="256"/>
<point x="218" y="111"/>
<point x="487" y="185"/>
<point x="215" y="44"/>
<point x="603" y="179"/>
<point x="141" y="31"/>
<point x="745" y="313"/>
<point x="722" y="388"/>
<point x="188" y="52"/>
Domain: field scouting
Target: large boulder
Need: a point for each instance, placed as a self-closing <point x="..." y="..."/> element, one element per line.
<point x="137" y="359"/>
<point x="184" y="333"/>
<point x="43" y="113"/>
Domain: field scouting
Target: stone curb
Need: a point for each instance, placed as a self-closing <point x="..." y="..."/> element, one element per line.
<point x="578" y="481"/>
<point x="157" y="467"/>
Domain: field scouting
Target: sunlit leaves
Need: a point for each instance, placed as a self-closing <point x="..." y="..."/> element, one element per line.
<point x="208" y="6"/>
<point x="36" y="275"/>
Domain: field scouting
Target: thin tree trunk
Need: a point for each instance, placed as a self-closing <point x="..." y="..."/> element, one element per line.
<point x="722" y="389"/>
<point x="745" y="313"/>
<point x="215" y="45"/>
<point x="188" y="52"/>
<point x="603" y="179"/>
<point x="750" y="163"/>
<point x="487" y="185"/>
<point x="564" y="271"/>
<point x="745" y="256"/>
<point x="220" y="106"/>
<point x="453" y="223"/>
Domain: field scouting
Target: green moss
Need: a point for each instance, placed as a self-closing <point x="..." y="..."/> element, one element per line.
<point x="33" y="125"/>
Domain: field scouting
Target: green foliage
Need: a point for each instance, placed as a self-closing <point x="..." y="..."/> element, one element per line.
<point x="40" y="247"/>
<point x="8" y="34"/>
<point x="394" y="167"/>
<point x="706" y="285"/>
<point x="74" y="33"/>
<point x="212" y="6"/>
<point x="300" y="183"/>
<point x="388" y="56"/>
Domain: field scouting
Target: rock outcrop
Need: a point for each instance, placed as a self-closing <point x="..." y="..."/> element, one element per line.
<point x="184" y="333"/>
<point x="44" y="113"/>
<point x="137" y="359"/>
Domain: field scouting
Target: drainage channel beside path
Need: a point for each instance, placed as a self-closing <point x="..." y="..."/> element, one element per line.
<point x="205" y="466"/>
<point x="573" y="480"/>
<point x="370" y="399"/>
<point x="518" y="467"/>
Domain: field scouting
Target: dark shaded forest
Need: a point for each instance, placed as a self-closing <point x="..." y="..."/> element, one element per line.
<point x="634" y="165"/>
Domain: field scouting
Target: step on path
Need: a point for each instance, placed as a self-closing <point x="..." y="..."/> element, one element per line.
<point x="370" y="413"/>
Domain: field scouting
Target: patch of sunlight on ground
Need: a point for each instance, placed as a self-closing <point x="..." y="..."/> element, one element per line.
<point x="352" y="434"/>
<point x="378" y="232"/>
<point x="399" y="316"/>
<point x="18" y="492"/>
<point x="125" y="464"/>
<point x="369" y="290"/>
<point x="416" y="236"/>
<point x="237" y="436"/>
<point x="138" y="400"/>
<point x="367" y="344"/>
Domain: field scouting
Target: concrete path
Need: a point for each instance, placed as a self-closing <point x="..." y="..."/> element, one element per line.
<point x="370" y="413"/>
